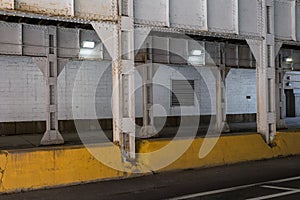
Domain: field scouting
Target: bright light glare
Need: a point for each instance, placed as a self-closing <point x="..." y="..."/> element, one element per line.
<point x="289" y="60"/>
<point x="196" y="52"/>
<point x="88" y="44"/>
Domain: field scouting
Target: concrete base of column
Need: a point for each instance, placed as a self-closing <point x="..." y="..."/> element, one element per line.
<point x="148" y="132"/>
<point x="52" y="138"/>
<point x="281" y="124"/>
<point x="226" y="128"/>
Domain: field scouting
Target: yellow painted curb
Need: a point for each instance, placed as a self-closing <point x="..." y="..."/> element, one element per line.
<point x="27" y="170"/>
<point x="49" y="167"/>
<point x="228" y="150"/>
<point x="287" y="143"/>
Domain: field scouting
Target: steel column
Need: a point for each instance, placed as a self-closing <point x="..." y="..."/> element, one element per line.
<point x="118" y="39"/>
<point x="220" y="74"/>
<point x="264" y="51"/>
<point x="221" y="92"/>
<point x="52" y="135"/>
<point x="280" y="73"/>
<point x="127" y="100"/>
<point x="147" y="72"/>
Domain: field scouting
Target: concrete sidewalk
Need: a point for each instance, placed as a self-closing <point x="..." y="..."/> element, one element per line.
<point x="26" y="141"/>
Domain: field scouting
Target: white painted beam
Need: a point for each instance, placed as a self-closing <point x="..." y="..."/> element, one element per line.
<point x="50" y="66"/>
<point x="263" y="51"/>
<point x="119" y="41"/>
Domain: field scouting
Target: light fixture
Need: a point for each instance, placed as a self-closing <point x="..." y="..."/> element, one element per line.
<point x="196" y="52"/>
<point x="196" y="60"/>
<point x="289" y="60"/>
<point x="88" y="44"/>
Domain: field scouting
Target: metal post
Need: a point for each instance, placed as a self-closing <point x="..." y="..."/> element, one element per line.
<point x="280" y="73"/>
<point x="119" y="41"/>
<point x="52" y="135"/>
<point x="264" y="51"/>
<point x="221" y="122"/>
<point x="109" y="35"/>
<point x="147" y="72"/>
<point x="221" y="92"/>
<point x="127" y="100"/>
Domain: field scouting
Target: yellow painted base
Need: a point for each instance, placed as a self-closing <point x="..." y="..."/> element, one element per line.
<point x="49" y="167"/>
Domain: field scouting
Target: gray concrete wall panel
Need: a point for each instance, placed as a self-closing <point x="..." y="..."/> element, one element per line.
<point x="34" y="40"/>
<point x="10" y="38"/>
<point x="191" y="14"/>
<point x="96" y="9"/>
<point x="284" y="19"/>
<point x="249" y="13"/>
<point x="222" y="16"/>
<point x="68" y="43"/>
<point x="155" y="12"/>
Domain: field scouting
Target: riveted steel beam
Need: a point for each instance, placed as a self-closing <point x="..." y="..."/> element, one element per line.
<point x="264" y="53"/>
<point x="118" y="38"/>
<point x="49" y="67"/>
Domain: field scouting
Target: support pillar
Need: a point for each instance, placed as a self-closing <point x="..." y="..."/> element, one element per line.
<point x="52" y="135"/>
<point x="264" y="51"/>
<point x="280" y="73"/>
<point x="221" y="98"/>
<point x="221" y="73"/>
<point x="221" y="122"/>
<point x="119" y="41"/>
<point x="127" y="100"/>
<point x="147" y="72"/>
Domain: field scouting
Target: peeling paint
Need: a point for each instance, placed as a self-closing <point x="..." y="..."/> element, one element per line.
<point x="36" y="8"/>
<point x="7" y="4"/>
<point x="3" y="167"/>
<point x="95" y="10"/>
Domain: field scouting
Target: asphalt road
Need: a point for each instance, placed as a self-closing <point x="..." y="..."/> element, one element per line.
<point x="272" y="179"/>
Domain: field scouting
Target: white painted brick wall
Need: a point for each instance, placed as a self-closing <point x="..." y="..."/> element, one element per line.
<point x="162" y="90"/>
<point x="241" y="83"/>
<point x="22" y="90"/>
<point x="93" y="84"/>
